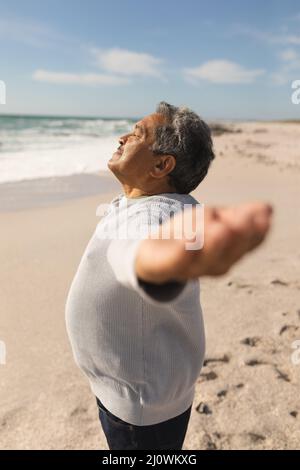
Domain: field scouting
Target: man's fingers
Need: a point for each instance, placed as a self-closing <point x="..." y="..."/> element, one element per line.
<point x="237" y="215"/>
<point x="237" y="231"/>
<point x="252" y="234"/>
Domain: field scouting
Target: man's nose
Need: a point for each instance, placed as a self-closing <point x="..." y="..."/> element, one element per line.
<point x="123" y="139"/>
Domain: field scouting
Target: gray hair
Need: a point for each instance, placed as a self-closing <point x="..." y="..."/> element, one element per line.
<point x="188" y="138"/>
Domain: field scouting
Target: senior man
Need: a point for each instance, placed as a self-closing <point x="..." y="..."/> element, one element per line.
<point x="133" y="311"/>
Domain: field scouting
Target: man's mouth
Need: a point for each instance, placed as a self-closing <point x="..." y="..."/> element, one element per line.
<point x="117" y="154"/>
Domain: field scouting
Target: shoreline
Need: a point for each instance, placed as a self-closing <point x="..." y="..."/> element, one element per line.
<point x="46" y="192"/>
<point x="267" y="143"/>
<point x="249" y="144"/>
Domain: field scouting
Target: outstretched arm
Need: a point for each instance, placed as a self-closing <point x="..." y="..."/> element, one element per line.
<point x="229" y="233"/>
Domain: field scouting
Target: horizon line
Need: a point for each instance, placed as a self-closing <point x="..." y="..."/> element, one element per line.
<point x="131" y="118"/>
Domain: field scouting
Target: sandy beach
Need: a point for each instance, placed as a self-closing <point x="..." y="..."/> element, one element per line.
<point x="247" y="395"/>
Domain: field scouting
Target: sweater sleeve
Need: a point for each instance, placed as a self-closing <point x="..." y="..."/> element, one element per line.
<point x="121" y="256"/>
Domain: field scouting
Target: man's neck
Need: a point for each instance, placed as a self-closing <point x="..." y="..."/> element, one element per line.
<point x="132" y="192"/>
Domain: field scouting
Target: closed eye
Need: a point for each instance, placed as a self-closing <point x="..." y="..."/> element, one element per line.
<point x="140" y="129"/>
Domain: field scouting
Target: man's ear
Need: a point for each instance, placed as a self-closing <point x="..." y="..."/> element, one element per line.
<point x="163" y="165"/>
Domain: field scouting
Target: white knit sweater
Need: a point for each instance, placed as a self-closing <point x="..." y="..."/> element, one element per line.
<point x="140" y="345"/>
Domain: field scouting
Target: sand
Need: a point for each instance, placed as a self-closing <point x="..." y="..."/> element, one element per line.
<point x="247" y="395"/>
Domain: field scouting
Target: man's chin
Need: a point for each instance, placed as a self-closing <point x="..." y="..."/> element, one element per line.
<point x="113" y="165"/>
<point x="116" y="156"/>
<point x="116" y="170"/>
<point x="110" y="164"/>
<point x="115" y="160"/>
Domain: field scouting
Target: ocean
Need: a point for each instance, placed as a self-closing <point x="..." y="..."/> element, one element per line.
<point x="41" y="146"/>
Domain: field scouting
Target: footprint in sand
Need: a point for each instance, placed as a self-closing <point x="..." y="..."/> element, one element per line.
<point x="208" y="442"/>
<point x="282" y="375"/>
<point x="208" y="375"/>
<point x="79" y="410"/>
<point x="255" y="362"/>
<point x="224" y="359"/>
<point x="239" y="285"/>
<point x="203" y="409"/>
<point x="240" y="385"/>
<point x="286" y="328"/>
<point x="279" y="282"/>
<point x="222" y="393"/>
<point x="255" y="437"/>
<point x="251" y="341"/>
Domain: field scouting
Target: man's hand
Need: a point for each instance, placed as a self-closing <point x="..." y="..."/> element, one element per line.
<point x="229" y="233"/>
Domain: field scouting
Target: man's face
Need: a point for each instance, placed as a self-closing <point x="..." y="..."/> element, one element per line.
<point x="134" y="160"/>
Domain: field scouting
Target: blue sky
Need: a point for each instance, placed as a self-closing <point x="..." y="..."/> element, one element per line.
<point x="226" y="60"/>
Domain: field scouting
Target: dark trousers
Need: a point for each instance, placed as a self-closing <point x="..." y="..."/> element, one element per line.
<point x="168" y="435"/>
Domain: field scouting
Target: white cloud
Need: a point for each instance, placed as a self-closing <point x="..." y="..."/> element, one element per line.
<point x="294" y="17"/>
<point x="129" y="63"/>
<point x="289" y="66"/>
<point x="268" y="37"/>
<point x="32" y="33"/>
<point x="289" y="55"/>
<point x="290" y="39"/>
<point x="289" y="69"/>
<point x="222" y="71"/>
<point x="281" y="77"/>
<point x="118" y="66"/>
<point x="79" y="79"/>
